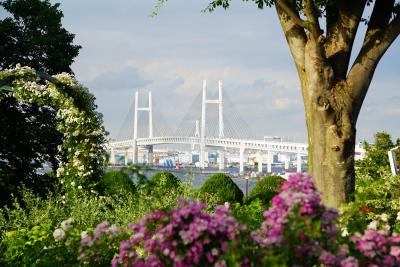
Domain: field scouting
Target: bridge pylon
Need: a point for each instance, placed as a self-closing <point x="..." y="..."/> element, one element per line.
<point x="149" y="109"/>
<point x="204" y="103"/>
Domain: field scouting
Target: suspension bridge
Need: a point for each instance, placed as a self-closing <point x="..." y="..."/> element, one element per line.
<point x="208" y="128"/>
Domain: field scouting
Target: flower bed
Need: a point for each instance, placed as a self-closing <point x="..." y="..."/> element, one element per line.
<point x="298" y="230"/>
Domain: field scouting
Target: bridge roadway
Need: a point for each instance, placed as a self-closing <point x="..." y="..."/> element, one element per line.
<point x="274" y="146"/>
<point x="299" y="149"/>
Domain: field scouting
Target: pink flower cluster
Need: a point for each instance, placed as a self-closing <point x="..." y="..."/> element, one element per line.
<point x="91" y="247"/>
<point x="378" y="247"/>
<point x="300" y="225"/>
<point x="185" y="236"/>
<point x="341" y="258"/>
<point x="297" y="197"/>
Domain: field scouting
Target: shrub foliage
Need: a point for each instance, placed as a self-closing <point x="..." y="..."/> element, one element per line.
<point x="266" y="189"/>
<point x="223" y="187"/>
<point x="163" y="181"/>
<point x="117" y="181"/>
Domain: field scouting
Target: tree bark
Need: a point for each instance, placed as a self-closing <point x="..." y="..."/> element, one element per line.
<point x="331" y="139"/>
<point x="331" y="124"/>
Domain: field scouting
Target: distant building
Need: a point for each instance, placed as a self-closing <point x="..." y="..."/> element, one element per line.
<point x="273" y="138"/>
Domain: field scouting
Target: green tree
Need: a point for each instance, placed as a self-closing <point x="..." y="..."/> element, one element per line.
<point x="25" y="142"/>
<point x="32" y="35"/>
<point x="320" y="35"/>
<point x="376" y="159"/>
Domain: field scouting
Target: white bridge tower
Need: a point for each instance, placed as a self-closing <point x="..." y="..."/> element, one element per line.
<point x="204" y="103"/>
<point x="149" y="109"/>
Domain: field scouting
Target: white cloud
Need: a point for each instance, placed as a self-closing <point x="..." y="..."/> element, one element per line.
<point x="392" y="110"/>
<point x="282" y="103"/>
<point x="126" y="79"/>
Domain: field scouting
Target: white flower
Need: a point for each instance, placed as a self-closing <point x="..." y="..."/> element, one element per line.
<point x="67" y="224"/>
<point x="166" y="251"/>
<point x="386" y="229"/>
<point x="73" y="183"/>
<point x="398" y="216"/>
<point x="373" y="225"/>
<point x="59" y="234"/>
<point x="79" y="187"/>
<point x="227" y="205"/>
<point x="384" y="217"/>
<point x="345" y="232"/>
<point x="113" y="229"/>
<point x="84" y="234"/>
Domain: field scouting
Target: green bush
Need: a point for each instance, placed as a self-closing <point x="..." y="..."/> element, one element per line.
<point x="37" y="247"/>
<point x="64" y="245"/>
<point x="266" y="189"/>
<point x="376" y="199"/>
<point x="88" y="208"/>
<point x="27" y="226"/>
<point x="223" y="188"/>
<point x="250" y="214"/>
<point x="117" y="181"/>
<point x="376" y="160"/>
<point x="163" y="182"/>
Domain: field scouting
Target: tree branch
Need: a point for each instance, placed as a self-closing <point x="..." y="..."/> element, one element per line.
<point x="343" y="19"/>
<point x="315" y="35"/>
<point x="363" y="69"/>
<point x="295" y="37"/>
<point x="292" y="13"/>
<point x="380" y="17"/>
<point x="313" y="23"/>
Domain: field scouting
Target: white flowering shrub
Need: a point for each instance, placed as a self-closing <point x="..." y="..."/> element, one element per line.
<point x="376" y="205"/>
<point x="84" y="136"/>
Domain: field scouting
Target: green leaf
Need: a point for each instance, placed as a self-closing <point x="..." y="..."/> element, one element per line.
<point x="7" y="88"/>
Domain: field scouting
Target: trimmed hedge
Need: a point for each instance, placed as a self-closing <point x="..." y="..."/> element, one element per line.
<point x="163" y="181"/>
<point x="117" y="181"/>
<point x="223" y="187"/>
<point x="266" y="189"/>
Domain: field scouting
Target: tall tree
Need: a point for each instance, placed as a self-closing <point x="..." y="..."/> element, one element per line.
<point x="25" y="143"/>
<point x="376" y="158"/>
<point x="333" y="89"/>
<point x="31" y="35"/>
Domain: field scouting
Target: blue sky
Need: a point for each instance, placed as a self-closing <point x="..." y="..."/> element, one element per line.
<point x="124" y="49"/>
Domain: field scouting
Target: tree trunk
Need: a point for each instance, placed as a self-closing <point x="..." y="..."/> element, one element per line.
<point x="331" y="121"/>
<point x="331" y="154"/>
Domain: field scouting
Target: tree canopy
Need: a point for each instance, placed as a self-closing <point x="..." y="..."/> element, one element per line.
<point x="376" y="159"/>
<point x="33" y="36"/>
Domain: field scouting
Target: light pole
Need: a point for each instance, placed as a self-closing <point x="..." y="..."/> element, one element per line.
<point x="246" y="177"/>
